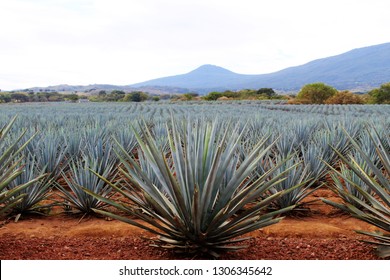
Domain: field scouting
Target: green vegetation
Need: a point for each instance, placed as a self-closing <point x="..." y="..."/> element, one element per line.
<point x="190" y="96"/>
<point x="298" y="183"/>
<point x="345" y="97"/>
<point x="199" y="174"/>
<point x="316" y="93"/>
<point x="367" y="198"/>
<point x="207" y="198"/>
<point x="50" y="96"/>
<point x="80" y="176"/>
<point x="11" y="196"/>
<point x="37" y="190"/>
<point x="320" y="93"/>
<point x="380" y="95"/>
<point x="121" y="96"/>
<point x="260" y="94"/>
<point x="22" y="97"/>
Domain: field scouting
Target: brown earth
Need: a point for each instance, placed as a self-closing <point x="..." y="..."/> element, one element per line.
<point x="323" y="233"/>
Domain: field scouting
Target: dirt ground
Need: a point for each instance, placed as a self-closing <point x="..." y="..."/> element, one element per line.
<point x="323" y="233"/>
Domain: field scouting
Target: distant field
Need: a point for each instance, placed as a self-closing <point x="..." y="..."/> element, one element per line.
<point x="73" y="123"/>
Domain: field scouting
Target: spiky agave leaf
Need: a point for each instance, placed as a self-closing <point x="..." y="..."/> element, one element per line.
<point x="298" y="181"/>
<point x="80" y="178"/>
<point x="370" y="201"/>
<point x="350" y="183"/>
<point x="207" y="198"/>
<point x="50" y="155"/>
<point x="36" y="192"/>
<point x="10" y="168"/>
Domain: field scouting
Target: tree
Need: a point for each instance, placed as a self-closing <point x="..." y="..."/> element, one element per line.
<point x="316" y="93"/>
<point x="345" y="97"/>
<point x="121" y="92"/>
<point x="190" y="96"/>
<point x="380" y="95"/>
<point x="245" y="93"/>
<point x="231" y="94"/>
<point x="55" y="98"/>
<point x="5" y="97"/>
<point x="138" y="96"/>
<point x="71" y="97"/>
<point x="269" y="92"/>
<point x="19" y="97"/>
<point x="213" y="96"/>
<point x="187" y="96"/>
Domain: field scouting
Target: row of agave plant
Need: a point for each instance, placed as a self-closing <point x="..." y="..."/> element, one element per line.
<point x="198" y="184"/>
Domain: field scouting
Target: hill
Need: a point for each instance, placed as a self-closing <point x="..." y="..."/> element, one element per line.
<point x="205" y="77"/>
<point x="358" y="69"/>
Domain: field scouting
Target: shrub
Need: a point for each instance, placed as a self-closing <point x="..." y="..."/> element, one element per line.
<point x="316" y="93"/>
<point x="380" y="95"/>
<point x="345" y="97"/>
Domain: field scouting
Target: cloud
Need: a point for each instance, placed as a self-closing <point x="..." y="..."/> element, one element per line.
<point x="118" y="41"/>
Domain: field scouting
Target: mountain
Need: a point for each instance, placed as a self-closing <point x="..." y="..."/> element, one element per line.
<point x="206" y="76"/>
<point x="72" y="88"/>
<point x="358" y="69"/>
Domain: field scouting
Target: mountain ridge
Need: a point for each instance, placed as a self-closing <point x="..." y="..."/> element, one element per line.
<point x="359" y="69"/>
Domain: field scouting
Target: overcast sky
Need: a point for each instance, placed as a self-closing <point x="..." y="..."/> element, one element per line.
<point x="80" y="42"/>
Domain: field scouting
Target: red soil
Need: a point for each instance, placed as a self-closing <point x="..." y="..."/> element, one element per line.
<point x="324" y="234"/>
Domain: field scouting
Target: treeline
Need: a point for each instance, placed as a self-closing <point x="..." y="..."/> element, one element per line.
<point x="30" y="96"/>
<point x="136" y="96"/>
<point x="315" y="93"/>
<point x="259" y="94"/>
<point x="122" y="96"/>
<point x="320" y="93"/>
<point x="53" y="96"/>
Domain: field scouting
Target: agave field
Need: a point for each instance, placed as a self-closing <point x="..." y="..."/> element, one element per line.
<point x="197" y="179"/>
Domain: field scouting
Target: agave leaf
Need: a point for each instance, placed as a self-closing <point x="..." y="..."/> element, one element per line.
<point x="10" y="175"/>
<point x="9" y="154"/>
<point x="377" y="235"/>
<point x="383" y="251"/>
<point x="383" y="248"/>
<point x="249" y="228"/>
<point x="128" y="221"/>
<point x="6" y="129"/>
<point x="166" y="219"/>
<point x="231" y="241"/>
<point x="119" y="206"/>
<point x="367" y="206"/>
<point x="201" y="177"/>
<point x="161" y="204"/>
<point x="227" y="199"/>
<point x="253" y="220"/>
<point x="363" y="175"/>
<point x="137" y="178"/>
<point x="10" y="169"/>
<point x="374" y="205"/>
<point x="9" y="206"/>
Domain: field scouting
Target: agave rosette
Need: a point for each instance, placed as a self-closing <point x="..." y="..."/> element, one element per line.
<point x="10" y="168"/>
<point x="370" y="201"/>
<point x="207" y="198"/>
